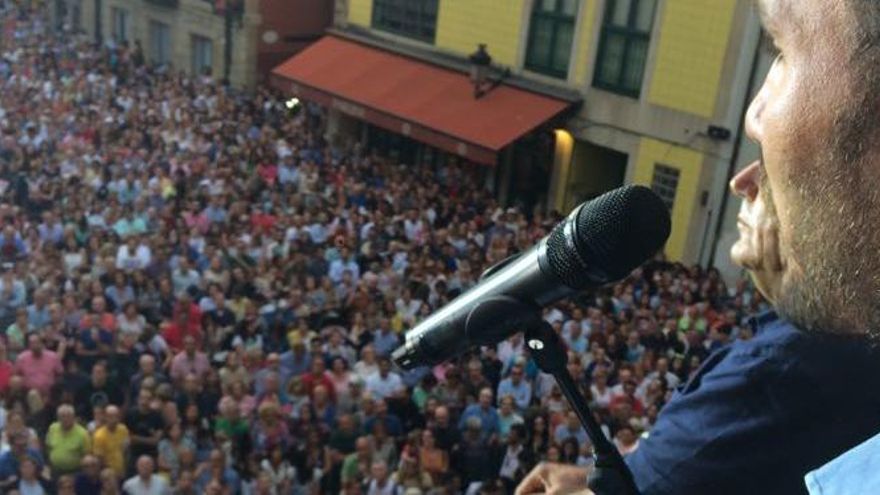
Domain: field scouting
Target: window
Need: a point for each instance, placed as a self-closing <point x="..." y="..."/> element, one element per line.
<point x="665" y="183"/>
<point x="120" y="24"/>
<point x="160" y="43"/>
<point x="551" y="36"/>
<point x="202" y="55"/>
<point x="415" y="19"/>
<point x="623" y="48"/>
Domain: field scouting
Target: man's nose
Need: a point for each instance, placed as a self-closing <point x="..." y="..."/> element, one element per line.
<point x="745" y="183"/>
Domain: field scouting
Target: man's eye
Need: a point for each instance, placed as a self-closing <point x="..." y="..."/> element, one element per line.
<point x="768" y="46"/>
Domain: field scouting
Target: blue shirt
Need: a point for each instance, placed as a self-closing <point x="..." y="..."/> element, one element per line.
<point x="291" y="365"/>
<point x="759" y="414"/>
<point x="857" y="471"/>
<point x="522" y="393"/>
<point x="385" y="343"/>
<point x="489" y="421"/>
<point x="9" y="463"/>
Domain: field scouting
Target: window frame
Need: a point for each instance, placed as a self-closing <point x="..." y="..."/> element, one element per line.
<point x="121" y="30"/>
<point x="423" y="8"/>
<point x="154" y="27"/>
<point x="196" y="40"/>
<point x="630" y="34"/>
<point x="661" y="174"/>
<point x="557" y="17"/>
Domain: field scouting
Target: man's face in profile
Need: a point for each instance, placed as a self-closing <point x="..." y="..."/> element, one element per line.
<point x="811" y="215"/>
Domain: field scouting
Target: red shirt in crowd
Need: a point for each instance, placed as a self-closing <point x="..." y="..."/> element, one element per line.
<point x="268" y="171"/>
<point x="182" y="325"/>
<point x="263" y="221"/>
<point x="106" y="321"/>
<point x="174" y="333"/>
<point x="310" y="381"/>
<point x="6" y="371"/>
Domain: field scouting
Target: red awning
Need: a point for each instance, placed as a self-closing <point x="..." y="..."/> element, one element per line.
<point x="414" y="98"/>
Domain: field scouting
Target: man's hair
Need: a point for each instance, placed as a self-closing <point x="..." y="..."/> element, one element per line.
<point x="865" y="63"/>
<point x="867" y="28"/>
<point x="65" y="408"/>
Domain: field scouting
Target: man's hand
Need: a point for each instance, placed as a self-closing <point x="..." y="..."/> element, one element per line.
<point x="555" y="479"/>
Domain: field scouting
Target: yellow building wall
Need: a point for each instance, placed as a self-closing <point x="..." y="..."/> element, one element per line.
<point x="462" y="24"/>
<point x="360" y="12"/>
<point x="688" y="163"/>
<point x="690" y="54"/>
<point x="581" y="61"/>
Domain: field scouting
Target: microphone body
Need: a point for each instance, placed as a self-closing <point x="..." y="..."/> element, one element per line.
<point x="447" y="333"/>
<point x="599" y="242"/>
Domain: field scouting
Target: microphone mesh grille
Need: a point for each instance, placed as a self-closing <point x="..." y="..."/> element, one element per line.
<point x="615" y="233"/>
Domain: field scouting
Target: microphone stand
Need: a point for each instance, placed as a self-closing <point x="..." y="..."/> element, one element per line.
<point x="610" y="474"/>
<point x="491" y="320"/>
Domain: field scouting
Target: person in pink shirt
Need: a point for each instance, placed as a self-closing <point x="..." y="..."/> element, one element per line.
<point x="189" y="360"/>
<point x="38" y="367"/>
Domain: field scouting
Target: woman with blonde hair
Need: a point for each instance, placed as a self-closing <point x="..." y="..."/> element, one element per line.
<point x="15" y="423"/>
<point x="270" y="429"/>
<point x="410" y="473"/>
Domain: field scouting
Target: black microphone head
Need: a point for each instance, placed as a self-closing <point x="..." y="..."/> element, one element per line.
<point x="606" y="238"/>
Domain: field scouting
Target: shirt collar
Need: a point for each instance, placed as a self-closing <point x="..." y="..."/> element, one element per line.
<point x="762" y="320"/>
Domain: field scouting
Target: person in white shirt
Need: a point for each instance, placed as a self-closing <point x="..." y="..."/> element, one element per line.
<point x="511" y="465"/>
<point x="385" y="383"/>
<point x="413" y="227"/>
<point x="133" y="256"/>
<point x="408" y="307"/>
<point x="660" y="370"/>
<point x="184" y="277"/>
<point x="367" y="366"/>
<point x="344" y="263"/>
<point x="380" y="483"/>
<point x="509" y="349"/>
<point x="145" y="482"/>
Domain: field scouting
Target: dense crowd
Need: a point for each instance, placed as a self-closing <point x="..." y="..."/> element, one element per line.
<point x="200" y="295"/>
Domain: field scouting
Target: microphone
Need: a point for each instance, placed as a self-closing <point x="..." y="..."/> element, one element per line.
<point x="601" y="241"/>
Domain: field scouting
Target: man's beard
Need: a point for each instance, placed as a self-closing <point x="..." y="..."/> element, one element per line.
<point x="834" y="236"/>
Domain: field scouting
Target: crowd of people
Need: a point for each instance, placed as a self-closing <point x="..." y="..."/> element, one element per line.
<point x="200" y="295"/>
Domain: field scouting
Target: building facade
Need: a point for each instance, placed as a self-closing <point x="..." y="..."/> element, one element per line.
<point x="663" y="86"/>
<point x="242" y="43"/>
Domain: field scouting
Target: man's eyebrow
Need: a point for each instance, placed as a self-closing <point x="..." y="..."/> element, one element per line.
<point x="767" y="21"/>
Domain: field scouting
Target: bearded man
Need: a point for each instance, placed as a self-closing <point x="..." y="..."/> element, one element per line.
<point x="761" y="414"/>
